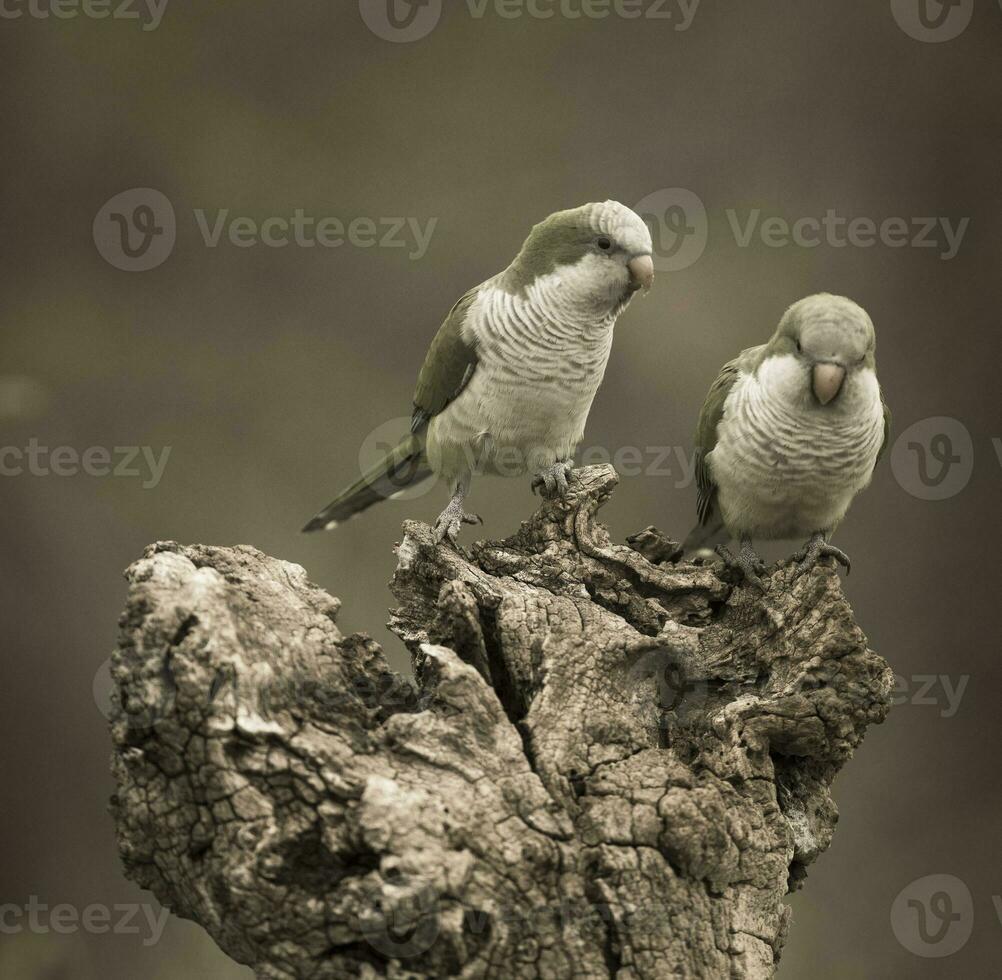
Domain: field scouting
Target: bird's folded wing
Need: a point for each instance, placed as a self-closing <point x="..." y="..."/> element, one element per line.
<point x="448" y="366"/>
<point x="706" y="429"/>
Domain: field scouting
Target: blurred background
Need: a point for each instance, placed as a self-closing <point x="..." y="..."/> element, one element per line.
<point x="250" y="376"/>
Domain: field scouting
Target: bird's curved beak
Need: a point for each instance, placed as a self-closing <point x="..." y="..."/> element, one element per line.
<point x="641" y="272"/>
<point x="827" y="381"/>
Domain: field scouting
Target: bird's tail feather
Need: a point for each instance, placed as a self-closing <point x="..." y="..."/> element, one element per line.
<point x="403" y="466"/>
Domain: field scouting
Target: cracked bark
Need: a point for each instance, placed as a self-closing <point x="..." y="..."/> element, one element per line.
<point x="612" y="763"/>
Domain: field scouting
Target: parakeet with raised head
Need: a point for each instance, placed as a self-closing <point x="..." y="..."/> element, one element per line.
<point x="509" y="379"/>
<point x="789" y="433"/>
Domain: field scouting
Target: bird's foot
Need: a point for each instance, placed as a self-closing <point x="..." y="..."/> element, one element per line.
<point x="747" y="562"/>
<point x="815" y="550"/>
<point x="554" y="479"/>
<point x="452" y="519"/>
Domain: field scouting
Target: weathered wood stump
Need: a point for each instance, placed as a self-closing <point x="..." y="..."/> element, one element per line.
<point x="612" y="763"/>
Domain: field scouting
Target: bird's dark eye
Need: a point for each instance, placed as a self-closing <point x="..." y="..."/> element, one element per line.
<point x="800" y="350"/>
<point x="604" y="243"/>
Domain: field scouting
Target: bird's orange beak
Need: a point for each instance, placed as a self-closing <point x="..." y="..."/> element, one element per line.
<point x="827" y="381"/>
<point x="641" y="272"/>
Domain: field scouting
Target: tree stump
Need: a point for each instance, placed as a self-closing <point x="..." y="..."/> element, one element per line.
<point x="613" y="763"/>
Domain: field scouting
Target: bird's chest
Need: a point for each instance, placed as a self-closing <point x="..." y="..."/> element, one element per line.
<point x="514" y="401"/>
<point x="783" y="472"/>
<point x="537" y="385"/>
<point x="527" y="402"/>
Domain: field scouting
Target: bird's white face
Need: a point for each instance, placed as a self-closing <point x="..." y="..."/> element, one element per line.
<point x="620" y="263"/>
<point x="822" y="355"/>
<point x="794" y="383"/>
<point x="590" y="260"/>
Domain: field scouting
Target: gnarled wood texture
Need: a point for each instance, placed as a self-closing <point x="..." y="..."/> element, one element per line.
<point x="613" y="764"/>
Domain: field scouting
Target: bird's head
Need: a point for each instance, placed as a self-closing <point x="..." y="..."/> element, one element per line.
<point x="825" y="344"/>
<point x="595" y="257"/>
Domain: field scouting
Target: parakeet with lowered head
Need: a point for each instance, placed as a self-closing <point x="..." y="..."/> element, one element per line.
<point x="789" y="433"/>
<point x="509" y="379"/>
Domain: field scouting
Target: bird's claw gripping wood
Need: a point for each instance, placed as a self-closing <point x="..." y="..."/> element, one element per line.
<point x="554" y="479"/>
<point x="747" y="562"/>
<point x="452" y="519"/>
<point x="815" y="550"/>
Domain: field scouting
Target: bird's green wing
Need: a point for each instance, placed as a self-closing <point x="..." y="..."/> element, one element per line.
<point x="706" y="429"/>
<point x="448" y="366"/>
<point x="887" y="426"/>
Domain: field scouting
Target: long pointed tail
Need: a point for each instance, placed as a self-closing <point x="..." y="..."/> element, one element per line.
<point x="401" y="467"/>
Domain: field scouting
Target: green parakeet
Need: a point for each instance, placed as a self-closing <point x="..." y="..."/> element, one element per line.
<point x="509" y="379"/>
<point x="789" y="433"/>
